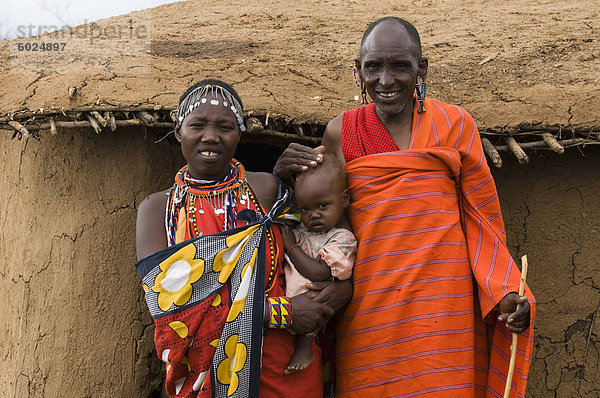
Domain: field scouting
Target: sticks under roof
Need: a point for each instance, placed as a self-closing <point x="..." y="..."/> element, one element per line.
<point x="276" y="129"/>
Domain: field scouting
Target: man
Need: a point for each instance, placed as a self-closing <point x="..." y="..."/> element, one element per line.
<point x="434" y="285"/>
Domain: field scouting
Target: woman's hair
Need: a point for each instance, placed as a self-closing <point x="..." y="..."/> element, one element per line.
<point x="329" y="166"/>
<point x="214" y="82"/>
<point x="412" y="31"/>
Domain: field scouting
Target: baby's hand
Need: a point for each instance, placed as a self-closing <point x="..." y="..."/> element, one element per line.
<point x="289" y="239"/>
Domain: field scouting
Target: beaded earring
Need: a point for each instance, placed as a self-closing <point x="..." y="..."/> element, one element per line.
<point x="363" y="92"/>
<point x="421" y="92"/>
<point x="356" y="86"/>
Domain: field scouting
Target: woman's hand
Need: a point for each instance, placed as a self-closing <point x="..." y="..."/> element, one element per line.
<point x="289" y="239"/>
<point x="295" y="159"/>
<point x="517" y="321"/>
<point x="308" y="316"/>
<point x="335" y="294"/>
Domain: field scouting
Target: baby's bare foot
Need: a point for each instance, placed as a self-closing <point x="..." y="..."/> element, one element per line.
<point x="303" y="356"/>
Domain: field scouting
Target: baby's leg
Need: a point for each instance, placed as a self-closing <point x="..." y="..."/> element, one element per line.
<point x="303" y="356"/>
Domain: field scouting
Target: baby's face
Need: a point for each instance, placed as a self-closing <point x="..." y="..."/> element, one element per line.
<point x="321" y="200"/>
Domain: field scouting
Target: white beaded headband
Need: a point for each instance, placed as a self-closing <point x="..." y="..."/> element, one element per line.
<point x="198" y="96"/>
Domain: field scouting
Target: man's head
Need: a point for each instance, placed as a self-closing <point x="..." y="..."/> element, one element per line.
<point x="389" y="63"/>
<point x="410" y="29"/>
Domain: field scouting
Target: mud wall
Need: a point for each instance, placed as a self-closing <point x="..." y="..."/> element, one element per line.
<point x="552" y="214"/>
<point x="73" y="320"/>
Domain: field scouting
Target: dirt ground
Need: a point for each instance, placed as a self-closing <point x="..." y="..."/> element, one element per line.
<point x="509" y="63"/>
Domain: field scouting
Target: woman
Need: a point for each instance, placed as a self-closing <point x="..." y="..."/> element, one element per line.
<point x="214" y="196"/>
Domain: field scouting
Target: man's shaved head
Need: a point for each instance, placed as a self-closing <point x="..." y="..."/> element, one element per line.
<point x="412" y="31"/>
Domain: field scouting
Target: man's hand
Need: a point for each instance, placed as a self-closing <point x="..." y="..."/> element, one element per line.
<point x="295" y="159"/>
<point x="334" y="294"/>
<point x="517" y="321"/>
<point x="309" y="316"/>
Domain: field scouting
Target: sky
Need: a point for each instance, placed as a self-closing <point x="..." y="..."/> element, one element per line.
<point x="24" y="18"/>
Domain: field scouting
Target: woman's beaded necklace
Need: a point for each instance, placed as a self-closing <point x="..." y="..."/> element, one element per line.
<point x="222" y="197"/>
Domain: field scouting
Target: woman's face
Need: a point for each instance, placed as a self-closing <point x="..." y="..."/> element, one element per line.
<point x="209" y="136"/>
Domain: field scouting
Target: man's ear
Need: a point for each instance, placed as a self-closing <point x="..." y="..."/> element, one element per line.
<point x="177" y="132"/>
<point x="423" y="66"/>
<point x="357" y="64"/>
<point x="346" y="198"/>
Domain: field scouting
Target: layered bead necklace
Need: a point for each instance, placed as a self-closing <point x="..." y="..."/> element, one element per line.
<point x="190" y="198"/>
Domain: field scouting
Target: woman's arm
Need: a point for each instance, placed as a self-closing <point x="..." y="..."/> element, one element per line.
<point x="265" y="187"/>
<point x="150" y="234"/>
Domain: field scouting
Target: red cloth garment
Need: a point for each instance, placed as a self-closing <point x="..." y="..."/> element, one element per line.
<point x="431" y="264"/>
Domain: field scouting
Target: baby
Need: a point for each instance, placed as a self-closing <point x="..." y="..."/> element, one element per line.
<point x="317" y="250"/>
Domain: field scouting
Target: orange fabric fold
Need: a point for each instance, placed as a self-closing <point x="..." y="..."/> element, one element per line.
<point x="430" y="268"/>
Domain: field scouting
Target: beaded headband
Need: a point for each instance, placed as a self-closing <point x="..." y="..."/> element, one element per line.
<point x="198" y="96"/>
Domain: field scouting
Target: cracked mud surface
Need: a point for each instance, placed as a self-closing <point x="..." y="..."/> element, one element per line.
<point x="508" y="63"/>
<point x="551" y="214"/>
<point x="74" y="321"/>
<point x="73" y="304"/>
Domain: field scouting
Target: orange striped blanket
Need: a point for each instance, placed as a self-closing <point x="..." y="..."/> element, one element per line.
<point x="430" y="268"/>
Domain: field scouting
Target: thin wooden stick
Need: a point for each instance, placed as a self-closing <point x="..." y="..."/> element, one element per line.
<point x="99" y="118"/>
<point x="95" y="125"/>
<point x="517" y="150"/>
<point x="53" y="130"/>
<point x="515" y="336"/>
<point x="110" y="118"/>
<point x="552" y="143"/>
<point x="19" y="127"/>
<point x="491" y="152"/>
<point x="543" y="145"/>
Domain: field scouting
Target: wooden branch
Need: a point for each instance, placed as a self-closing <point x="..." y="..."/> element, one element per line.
<point x="53" y="130"/>
<point x="147" y="118"/>
<point x="110" y="117"/>
<point x="19" y="127"/>
<point x="552" y="143"/>
<point x="515" y="336"/>
<point x="491" y="152"/>
<point x="99" y="118"/>
<point x="517" y="150"/>
<point x="253" y="125"/>
<point x="94" y="123"/>
<point x="298" y="130"/>
<point x="543" y="145"/>
<point x="136" y="122"/>
<point x="277" y="138"/>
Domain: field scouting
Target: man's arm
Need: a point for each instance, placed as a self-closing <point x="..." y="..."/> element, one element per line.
<point x="332" y="138"/>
